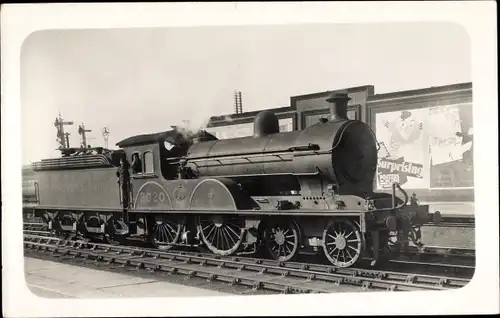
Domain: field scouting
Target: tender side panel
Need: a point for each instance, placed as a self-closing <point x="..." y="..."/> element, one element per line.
<point x="96" y="188"/>
<point x="29" y="185"/>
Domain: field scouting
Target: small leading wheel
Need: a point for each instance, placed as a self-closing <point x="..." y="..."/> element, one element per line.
<point x="282" y="240"/>
<point x="342" y="243"/>
<point x="166" y="232"/>
<point x="222" y="235"/>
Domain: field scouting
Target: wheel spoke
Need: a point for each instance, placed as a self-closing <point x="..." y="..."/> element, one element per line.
<point x="352" y="248"/>
<point x="350" y="256"/>
<point x="160" y="234"/>
<point x="229" y="235"/>
<point x="224" y="235"/>
<point x="213" y="228"/>
<point x="234" y="232"/>
<point x="166" y="234"/>
<point x="217" y="237"/>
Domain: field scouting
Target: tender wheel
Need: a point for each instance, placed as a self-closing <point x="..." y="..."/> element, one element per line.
<point x="58" y="231"/>
<point x="222" y="235"/>
<point x="86" y="224"/>
<point x="342" y="243"/>
<point x="109" y="233"/>
<point x="166" y="232"/>
<point x="282" y="240"/>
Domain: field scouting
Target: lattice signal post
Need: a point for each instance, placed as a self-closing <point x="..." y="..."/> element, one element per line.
<point x="62" y="137"/>
<point x="83" y="132"/>
<point x="105" y="134"/>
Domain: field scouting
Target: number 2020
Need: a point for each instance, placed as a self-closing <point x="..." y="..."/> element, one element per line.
<point x="155" y="197"/>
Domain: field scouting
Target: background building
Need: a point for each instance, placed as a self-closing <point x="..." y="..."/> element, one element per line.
<point x="425" y="136"/>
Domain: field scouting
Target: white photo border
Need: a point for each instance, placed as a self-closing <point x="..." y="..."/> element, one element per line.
<point x="478" y="18"/>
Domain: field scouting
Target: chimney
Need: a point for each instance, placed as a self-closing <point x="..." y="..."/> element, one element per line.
<point x="338" y="106"/>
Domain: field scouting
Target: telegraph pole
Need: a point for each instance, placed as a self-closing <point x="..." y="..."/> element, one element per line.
<point x="83" y="132"/>
<point x="105" y="134"/>
<point x="62" y="137"/>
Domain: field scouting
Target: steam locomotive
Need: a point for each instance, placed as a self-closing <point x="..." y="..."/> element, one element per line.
<point x="285" y="193"/>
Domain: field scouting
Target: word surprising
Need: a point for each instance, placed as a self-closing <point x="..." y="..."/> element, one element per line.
<point x="389" y="166"/>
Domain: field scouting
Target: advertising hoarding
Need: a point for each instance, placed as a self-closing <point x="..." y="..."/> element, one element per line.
<point x="425" y="148"/>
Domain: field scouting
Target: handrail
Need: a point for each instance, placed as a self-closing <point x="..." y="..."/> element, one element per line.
<point x="394" y="186"/>
<point x="37" y="192"/>
<point x="394" y="207"/>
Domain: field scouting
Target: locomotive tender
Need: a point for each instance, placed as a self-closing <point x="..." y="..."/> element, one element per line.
<point x="299" y="191"/>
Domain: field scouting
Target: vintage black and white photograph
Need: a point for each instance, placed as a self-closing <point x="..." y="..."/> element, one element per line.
<point x="250" y="159"/>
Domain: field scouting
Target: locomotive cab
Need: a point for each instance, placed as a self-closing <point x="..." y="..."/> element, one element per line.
<point x="151" y="161"/>
<point x="158" y="155"/>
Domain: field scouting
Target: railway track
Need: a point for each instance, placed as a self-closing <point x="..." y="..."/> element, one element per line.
<point x="440" y="256"/>
<point x="429" y="259"/>
<point x="255" y="273"/>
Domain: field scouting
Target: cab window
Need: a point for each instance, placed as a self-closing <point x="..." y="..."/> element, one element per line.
<point x="136" y="165"/>
<point x="148" y="162"/>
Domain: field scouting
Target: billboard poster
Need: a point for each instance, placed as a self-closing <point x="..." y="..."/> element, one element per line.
<point x="451" y="146"/>
<point x="426" y="148"/>
<point x="404" y="149"/>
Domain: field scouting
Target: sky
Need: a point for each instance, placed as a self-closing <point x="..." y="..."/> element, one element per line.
<point x="139" y="80"/>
